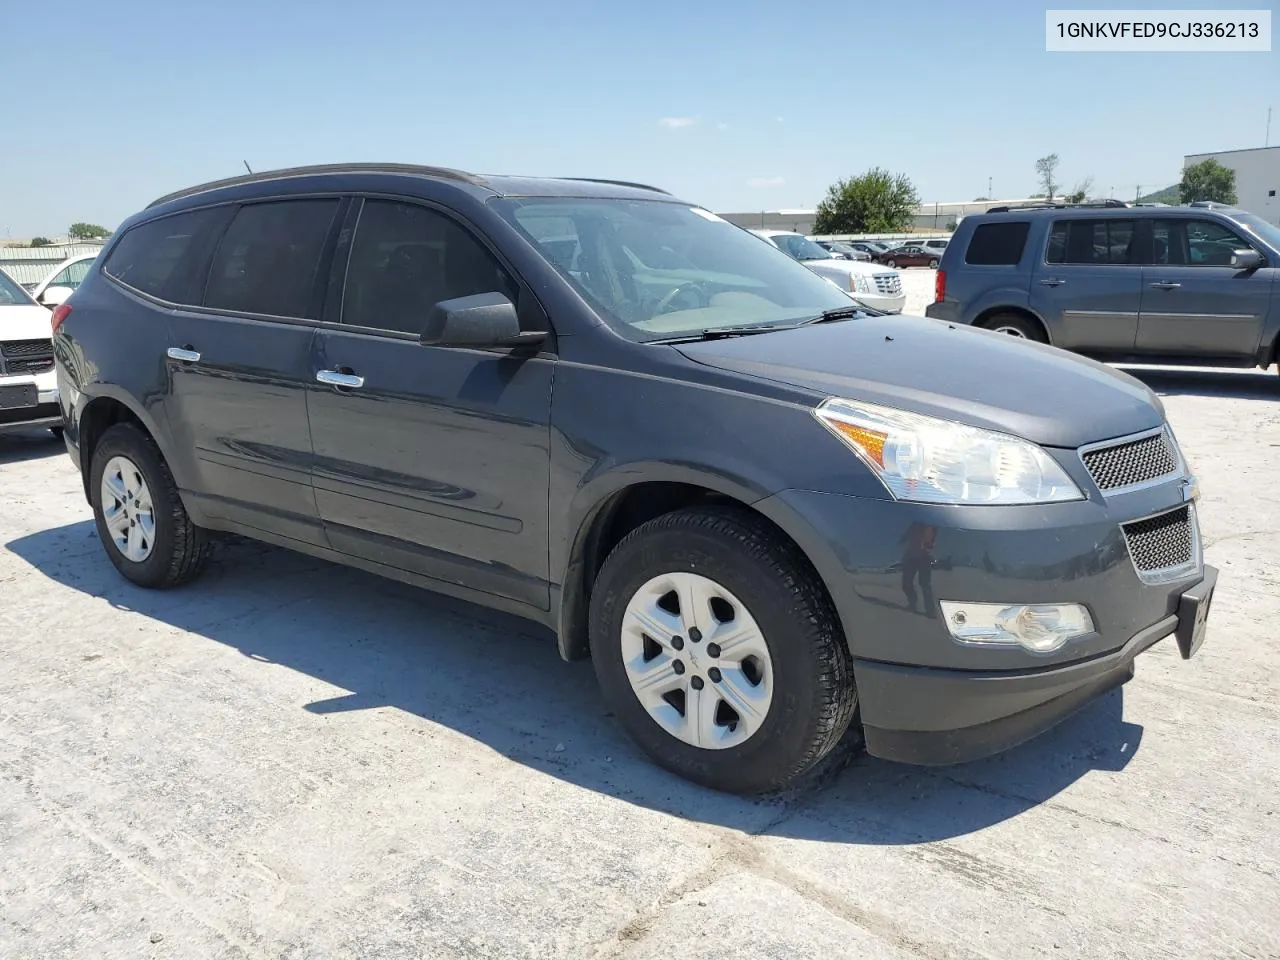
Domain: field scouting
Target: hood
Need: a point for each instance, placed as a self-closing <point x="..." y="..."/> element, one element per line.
<point x="845" y="267"/>
<point x="25" y="323"/>
<point x="984" y="379"/>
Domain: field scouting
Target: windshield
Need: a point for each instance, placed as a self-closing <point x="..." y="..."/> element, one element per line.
<point x="12" y="295"/>
<point x="1260" y="228"/>
<point x="802" y="248"/>
<point x="657" y="270"/>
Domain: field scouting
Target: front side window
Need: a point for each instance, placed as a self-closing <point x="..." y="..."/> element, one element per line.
<point x="407" y="258"/>
<point x="267" y="260"/>
<point x="1091" y="242"/>
<point x="655" y="269"/>
<point x="1195" y="243"/>
<point x="72" y="275"/>
<point x="155" y="257"/>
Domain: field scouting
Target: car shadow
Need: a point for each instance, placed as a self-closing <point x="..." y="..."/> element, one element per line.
<point x="497" y="679"/>
<point x="23" y="445"/>
<point x="1240" y="384"/>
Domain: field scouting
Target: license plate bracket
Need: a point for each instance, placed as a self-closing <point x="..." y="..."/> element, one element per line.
<point x="17" y="396"/>
<point x="1193" y="614"/>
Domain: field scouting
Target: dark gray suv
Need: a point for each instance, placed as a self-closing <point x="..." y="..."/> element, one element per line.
<point x="773" y="519"/>
<point x="1177" y="285"/>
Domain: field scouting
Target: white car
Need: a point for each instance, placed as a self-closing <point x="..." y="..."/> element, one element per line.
<point x="869" y="283"/>
<point x="68" y="274"/>
<point x="28" y="383"/>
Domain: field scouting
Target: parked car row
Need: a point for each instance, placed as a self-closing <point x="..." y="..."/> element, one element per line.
<point x="765" y="512"/>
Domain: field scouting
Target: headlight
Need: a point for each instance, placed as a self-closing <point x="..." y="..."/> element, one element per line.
<point x="859" y="283"/>
<point x="929" y="460"/>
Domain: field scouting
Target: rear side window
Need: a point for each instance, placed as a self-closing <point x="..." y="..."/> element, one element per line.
<point x="1091" y="242"/>
<point x="405" y="259"/>
<point x="998" y="244"/>
<point x="268" y="258"/>
<point x="156" y="257"/>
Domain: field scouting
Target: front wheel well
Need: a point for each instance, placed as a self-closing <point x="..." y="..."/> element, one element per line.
<point x="99" y="416"/>
<point x="986" y="316"/>
<point x="623" y="512"/>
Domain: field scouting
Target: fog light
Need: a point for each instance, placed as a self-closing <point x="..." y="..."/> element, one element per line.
<point x="1038" y="627"/>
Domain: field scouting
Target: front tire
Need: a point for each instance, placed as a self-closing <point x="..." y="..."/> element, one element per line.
<point x="934" y="263"/>
<point x="893" y="264"/>
<point x="719" y="651"/>
<point x="141" y="521"/>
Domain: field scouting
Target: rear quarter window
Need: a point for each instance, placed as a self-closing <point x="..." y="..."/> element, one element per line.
<point x="998" y="244"/>
<point x="157" y="257"/>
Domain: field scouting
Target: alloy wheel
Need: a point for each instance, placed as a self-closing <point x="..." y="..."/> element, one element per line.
<point x="127" y="509"/>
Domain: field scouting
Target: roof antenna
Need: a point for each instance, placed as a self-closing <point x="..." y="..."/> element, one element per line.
<point x="246" y="165"/>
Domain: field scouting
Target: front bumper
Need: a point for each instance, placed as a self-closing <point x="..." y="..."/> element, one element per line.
<point x="45" y="413"/>
<point x="936" y="717"/>
<point x="923" y="696"/>
<point x="889" y="303"/>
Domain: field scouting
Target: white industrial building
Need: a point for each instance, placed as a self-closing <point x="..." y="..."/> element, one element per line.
<point x="1257" y="178"/>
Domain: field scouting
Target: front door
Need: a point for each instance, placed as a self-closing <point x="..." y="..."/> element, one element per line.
<point x="1088" y="286"/>
<point x="428" y="459"/>
<point x="239" y="370"/>
<point x="1194" y="303"/>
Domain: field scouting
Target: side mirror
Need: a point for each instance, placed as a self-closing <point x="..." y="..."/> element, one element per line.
<point x="55" y="296"/>
<point x="482" y="320"/>
<point x="1246" y="259"/>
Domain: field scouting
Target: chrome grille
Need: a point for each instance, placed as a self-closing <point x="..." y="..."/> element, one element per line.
<point x="1162" y="543"/>
<point x="889" y="284"/>
<point x="1132" y="462"/>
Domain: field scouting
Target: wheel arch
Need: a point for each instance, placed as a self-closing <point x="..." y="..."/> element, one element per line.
<point x="983" y="318"/>
<point x="105" y="409"/>
<point x="622" y="505"/>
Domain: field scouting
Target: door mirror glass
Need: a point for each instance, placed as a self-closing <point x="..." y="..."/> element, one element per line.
<point x="480" y="320"/>
<point x="55" y="296"/>
<point x="1246" y="259"/>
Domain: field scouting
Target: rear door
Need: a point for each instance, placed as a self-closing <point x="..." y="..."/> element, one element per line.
<point x="1088" y="285"/>
<point x="240" y="364"/>
<point x="1194" y="303"/>
<point x="429" y="459"/>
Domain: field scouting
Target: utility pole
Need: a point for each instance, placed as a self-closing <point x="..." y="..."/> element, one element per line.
<point x="1137" y="192"/>
<point x="989" y="197"/>
<point x="1113" y="193"/>
<point x="1267" y="141"/>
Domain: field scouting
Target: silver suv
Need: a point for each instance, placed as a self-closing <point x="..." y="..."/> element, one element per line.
<point x="1177" y="285"/>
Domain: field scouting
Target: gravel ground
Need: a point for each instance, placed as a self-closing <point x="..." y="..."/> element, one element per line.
<point x="291" y="759"/>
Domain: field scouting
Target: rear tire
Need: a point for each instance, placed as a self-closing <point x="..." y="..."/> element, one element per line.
<point x="1016" y="325"/>
<point x="141" y="521"/>
<point x="753" y="716"/>
<point x="934" y="263"/>
<point x="891" y="263"/>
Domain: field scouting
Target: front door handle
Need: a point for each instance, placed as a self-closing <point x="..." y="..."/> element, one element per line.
<point x="185" y="354"/>
<point x="1166" y="285"/>
<point x="1053" y="281"/>
<point x="336" y="378"/>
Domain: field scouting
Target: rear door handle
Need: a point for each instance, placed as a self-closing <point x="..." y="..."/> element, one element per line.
<point x="185" y="354"/>
<point x="1053" y="282"/>
<point x="336" y="378"/>
<point x="1166" y="285"/>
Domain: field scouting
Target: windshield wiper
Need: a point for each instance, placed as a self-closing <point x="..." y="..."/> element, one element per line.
<point x="843" y="313"/>
<point x="721" y="333"/>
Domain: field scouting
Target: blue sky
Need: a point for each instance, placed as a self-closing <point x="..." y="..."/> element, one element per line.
<point x="739" y="105"/>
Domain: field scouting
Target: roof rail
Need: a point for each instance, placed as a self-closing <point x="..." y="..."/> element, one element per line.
<point x="1046" y="205"/>
<point x="264" y="175"/>
<point x="618" y="183"/>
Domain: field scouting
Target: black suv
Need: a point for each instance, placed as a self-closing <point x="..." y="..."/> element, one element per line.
<point x="1177" y="285"/>
<point x="769" y="516"/>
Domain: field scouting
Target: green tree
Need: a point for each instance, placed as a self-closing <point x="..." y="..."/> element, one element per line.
<point x="87" y="231"/>
<point x="1208" y="180"/>
<point x="41" y="242"/>
<point x="875" y="202"/>
<point x="1047" y="171"/>
<point x="1080" y="192"/>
